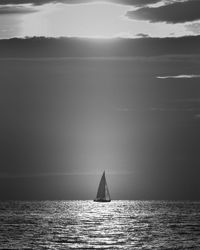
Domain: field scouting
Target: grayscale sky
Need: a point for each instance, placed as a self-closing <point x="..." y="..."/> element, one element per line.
<point x="110" y="85"/>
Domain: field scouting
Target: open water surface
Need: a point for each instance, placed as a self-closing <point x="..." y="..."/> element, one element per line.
<point x="93" y="225"/>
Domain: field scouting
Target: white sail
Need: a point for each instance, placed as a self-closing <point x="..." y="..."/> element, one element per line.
<point x="103" y="192"/>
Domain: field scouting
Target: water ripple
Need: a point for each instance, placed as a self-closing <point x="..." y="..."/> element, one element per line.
<point x="92" y="225"/>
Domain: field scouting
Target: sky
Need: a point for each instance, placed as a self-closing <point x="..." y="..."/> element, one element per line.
<point x="105" y="19"/>
<point x="88" y="86"/>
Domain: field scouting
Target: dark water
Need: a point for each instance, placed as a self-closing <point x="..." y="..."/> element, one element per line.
<point x="91" y="225"/>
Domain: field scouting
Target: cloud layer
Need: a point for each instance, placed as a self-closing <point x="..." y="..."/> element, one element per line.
<point x="168" y="11"/>
<point x="177" y="12"/>
<point x="75" y="47"/>
<point x="137" y="3"/>
<point x="16" y="9"/>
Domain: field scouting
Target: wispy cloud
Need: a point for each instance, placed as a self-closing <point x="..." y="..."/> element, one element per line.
<point x="178" y="76"/>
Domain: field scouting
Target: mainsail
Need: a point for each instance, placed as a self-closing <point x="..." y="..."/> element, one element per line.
<point x="103" y="192"/>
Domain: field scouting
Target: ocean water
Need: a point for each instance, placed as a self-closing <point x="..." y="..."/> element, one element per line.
<point x="93" y="225"/>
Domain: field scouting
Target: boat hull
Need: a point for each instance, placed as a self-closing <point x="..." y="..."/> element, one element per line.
<point x="102" y="200"/>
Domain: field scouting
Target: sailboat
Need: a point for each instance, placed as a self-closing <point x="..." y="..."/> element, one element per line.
<point x="103" y="192"/>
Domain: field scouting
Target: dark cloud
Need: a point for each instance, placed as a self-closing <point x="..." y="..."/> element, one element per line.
<point x="15" y="10"/>
<point x="18" y="2"/>
<point x="76" y="47"/>
<point x="178" y="12"/>
<point x="40" y="2"/>
<point x="142" y="35"/>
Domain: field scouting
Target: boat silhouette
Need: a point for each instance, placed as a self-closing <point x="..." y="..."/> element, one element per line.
<point x="103" y="194"/>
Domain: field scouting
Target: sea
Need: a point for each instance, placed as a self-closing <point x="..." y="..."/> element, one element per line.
<point x="93" y="225"/>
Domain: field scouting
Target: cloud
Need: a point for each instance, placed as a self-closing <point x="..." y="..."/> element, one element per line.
<point x="142" y="35"/>
<point x="177" y="12"/>
<point x="136" y="3"/>
<point x="76" y="47"/>
<point x="193" y="27"/>
<point x="19" y="2"/>
<point x="13" y="9"/>
<point x="178" y="76"/>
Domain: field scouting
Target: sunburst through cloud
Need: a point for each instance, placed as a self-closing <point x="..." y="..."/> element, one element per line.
<point x="99" y="124"/>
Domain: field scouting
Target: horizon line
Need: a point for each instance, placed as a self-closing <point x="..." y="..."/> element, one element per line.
<point x="99" y="38"/>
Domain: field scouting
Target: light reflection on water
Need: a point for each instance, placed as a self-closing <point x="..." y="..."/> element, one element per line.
<point x="93" y="225"/>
